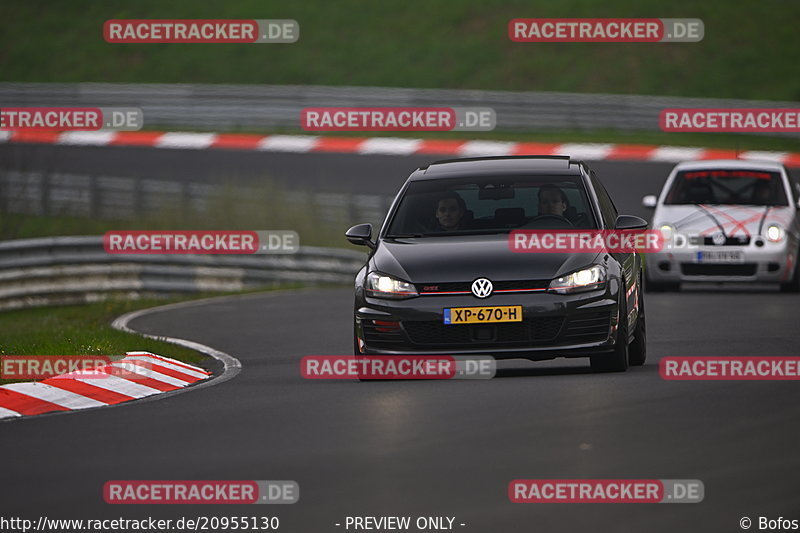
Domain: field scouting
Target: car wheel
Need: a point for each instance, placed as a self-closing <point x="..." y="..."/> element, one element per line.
<point x="617" y="361"/>
<point x="637" y="351"/>
<point x="794" y="285"/>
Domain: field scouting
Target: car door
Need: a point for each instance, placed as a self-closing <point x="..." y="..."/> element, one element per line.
<point x="630" y="262"/>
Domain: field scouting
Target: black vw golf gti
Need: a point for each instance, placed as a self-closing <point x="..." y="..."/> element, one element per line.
<point x="442" y="278"/>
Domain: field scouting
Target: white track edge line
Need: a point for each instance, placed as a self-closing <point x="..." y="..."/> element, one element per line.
<point x="231" y="365"/>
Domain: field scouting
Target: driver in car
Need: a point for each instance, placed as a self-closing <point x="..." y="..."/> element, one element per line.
<point x="450" y="210"/>
<point x="762" y="193"/>
<point x="552" y="201"/>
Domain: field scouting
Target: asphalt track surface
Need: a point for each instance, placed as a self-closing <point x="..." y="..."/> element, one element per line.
<point x="438" y="448"/>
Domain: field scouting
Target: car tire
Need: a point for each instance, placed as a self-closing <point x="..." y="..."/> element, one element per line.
<point x="794" y="285"/>
<point x="616" y="361"/>
<point x="637" y="351"/>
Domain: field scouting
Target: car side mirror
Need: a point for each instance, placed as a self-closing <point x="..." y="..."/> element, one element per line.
<point x="649" y="201"/>
<point x="360" y="235"/>
<point x="630" y="222"/>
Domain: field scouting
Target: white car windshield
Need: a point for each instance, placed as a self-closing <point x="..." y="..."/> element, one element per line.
<point x="727" y="187"/>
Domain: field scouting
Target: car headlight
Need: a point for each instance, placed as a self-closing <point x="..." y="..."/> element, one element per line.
<point x="775" y="233"/>
<point x="382" y="286"/>
<point x="588" y="279"/>
<point x="667" y="231"/>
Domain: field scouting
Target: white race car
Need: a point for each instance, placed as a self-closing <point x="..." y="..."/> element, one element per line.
<point x="726" y="220"/>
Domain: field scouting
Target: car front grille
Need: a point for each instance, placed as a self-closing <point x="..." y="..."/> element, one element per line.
<point x="738" y="240"/>
<point x="699" y="269"/>
<point x="429" y="289"/>
<point x="542" y="330"/>
<point x="580" y="328"/>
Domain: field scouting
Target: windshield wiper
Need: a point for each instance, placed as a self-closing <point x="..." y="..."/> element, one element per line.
<point x="405" y="235"/>
<point x="464" y="233"/>
<point x="496" y="231"/>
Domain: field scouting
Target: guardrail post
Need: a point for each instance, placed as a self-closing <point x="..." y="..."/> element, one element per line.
<point x="94" y="197"/>
<point x="5" y="202"/>
<point x="186" y="196"/>
<point x="44" y="193"/>
<point x="138" y="196"/>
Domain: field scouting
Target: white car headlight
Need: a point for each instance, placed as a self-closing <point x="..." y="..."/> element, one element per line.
<point x="382" y="286"/>
<point x="588" y="279"/>
<point x="775" y="233"/>
<point x="667" y="231"/>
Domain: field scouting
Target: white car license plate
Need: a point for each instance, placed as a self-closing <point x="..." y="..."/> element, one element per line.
<point x="721" y="256"/>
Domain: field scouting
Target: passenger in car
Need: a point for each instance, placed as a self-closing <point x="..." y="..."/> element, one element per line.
<point x="450" y="211"/>
<point x="762" y="193"/>
<point x="552" y="201"/>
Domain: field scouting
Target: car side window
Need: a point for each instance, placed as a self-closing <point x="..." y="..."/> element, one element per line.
<point x="607" y="208"/>
<point x="794" y="187"/>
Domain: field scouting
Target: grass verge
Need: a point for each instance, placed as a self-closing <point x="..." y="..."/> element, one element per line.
<point x="86" y="330"/>
<point x="746" y="51"/>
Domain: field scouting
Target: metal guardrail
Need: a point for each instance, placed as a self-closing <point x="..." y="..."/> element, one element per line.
<point x="66" y="270"/>
<point x="229" y="107"/>
<point x="110" y="198"/>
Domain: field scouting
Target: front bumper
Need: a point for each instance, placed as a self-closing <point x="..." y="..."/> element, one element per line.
<point x="553" y="325"/>
<point x="770" y="263"/>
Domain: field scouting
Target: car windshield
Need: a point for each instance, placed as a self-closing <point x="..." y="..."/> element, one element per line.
<point x="482" y="205"/>
<point x="727" y="187"/>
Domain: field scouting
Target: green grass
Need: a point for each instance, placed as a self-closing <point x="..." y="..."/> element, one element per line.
<point x="86" y="330"/>
<point x="81" y="330"/>
<point x="749" y="49"/>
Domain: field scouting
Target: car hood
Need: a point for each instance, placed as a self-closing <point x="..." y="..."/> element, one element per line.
<point x="464" y="258"/>
<point x="733" y="220"/>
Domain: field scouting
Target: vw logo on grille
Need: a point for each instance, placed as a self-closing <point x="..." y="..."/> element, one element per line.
<point x="482" y="288"/>
<point x="718" y="238"/>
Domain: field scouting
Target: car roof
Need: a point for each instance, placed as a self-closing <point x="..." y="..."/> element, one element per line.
<point x="730" y="163"/>
<point x="499" y="166"/>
